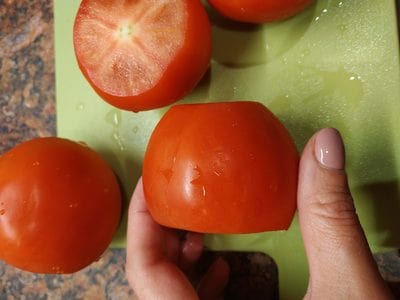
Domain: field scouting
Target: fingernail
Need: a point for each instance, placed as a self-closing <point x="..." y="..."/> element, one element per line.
<point x="329" y="149"/>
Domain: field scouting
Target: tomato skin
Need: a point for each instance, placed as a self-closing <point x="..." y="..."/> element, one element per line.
<point x="259" y="11"/>
<point x="180" y="77"/>
<point x="60" y="206"/>
<point x="221" y="168"/>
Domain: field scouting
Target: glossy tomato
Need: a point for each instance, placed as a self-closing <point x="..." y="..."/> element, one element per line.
<point x="259" y="11"/>
<point x="144" y="54"/>
<point x="60" y="206"/>
<point x="221" y="168"/>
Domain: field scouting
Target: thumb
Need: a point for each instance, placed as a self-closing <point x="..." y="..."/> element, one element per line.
<point x="340" y="261"/>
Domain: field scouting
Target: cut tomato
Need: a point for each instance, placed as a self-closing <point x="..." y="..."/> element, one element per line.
<point x="221" y="168"/>
<point x="139" y="55"/>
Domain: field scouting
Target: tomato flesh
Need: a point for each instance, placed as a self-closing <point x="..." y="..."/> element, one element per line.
<point x="259" y="11"/>
<point x="221" y="168"/>
<point x="60" y="206"/>
<point x="144" y="54"/>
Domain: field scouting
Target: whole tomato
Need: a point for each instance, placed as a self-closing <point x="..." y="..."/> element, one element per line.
<point x="60" y="206"/>
<point x="140" y="55"/>
<point x="259" y="11"/>
<point x="221" y="168"/>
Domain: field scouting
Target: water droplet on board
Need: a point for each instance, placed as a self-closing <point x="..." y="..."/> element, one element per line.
<point x="80" y="106"/>
<point x="306" y="52"/>
<point x="114" y="118"/>
<point x="119" y="141"/>
<point x="342" y="27"/>
<point x="135" y="129"/>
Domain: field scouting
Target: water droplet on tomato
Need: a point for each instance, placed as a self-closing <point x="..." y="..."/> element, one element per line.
<point x="57" y="270"/>
<point x="2" y="212"/>
<point x="196" y="176"/>
<point x="203" y="190"/>
<point x="35" y="164"/>
<point x="167" y="173"/>
<point x="83" y="144"/>
<point x="73" y="205"/>
<point x="273" y="187"/>
<point x="218" y="173"/>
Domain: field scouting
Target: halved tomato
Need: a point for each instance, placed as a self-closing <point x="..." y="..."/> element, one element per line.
<point x="143" y="54"/>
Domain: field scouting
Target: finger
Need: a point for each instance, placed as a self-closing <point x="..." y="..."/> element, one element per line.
<point x="144" y="235"/>
<point x="192" y="248"/>
<point x="149" y="272"/>
<point x="339" y="257"/>
<point x="213" y="284"/>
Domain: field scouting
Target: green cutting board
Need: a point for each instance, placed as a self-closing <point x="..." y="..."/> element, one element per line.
<point x="336" y="64"/>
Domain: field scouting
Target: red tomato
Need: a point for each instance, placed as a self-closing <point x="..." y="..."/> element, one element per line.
<point x="60" y="206"/>
<point x="144" y="54"/>
<point x="259" y="11"/>
<point x="221" y="168"/>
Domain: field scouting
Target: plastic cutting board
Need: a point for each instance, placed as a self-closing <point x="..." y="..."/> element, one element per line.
<point x="336" y="64"/>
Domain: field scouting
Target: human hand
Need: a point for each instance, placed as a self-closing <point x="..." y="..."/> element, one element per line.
<point x="340" y="262"/>
<point x="158" y="259"/>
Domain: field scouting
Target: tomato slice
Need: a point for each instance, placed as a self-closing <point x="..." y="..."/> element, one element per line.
<point x="143" y="54"/>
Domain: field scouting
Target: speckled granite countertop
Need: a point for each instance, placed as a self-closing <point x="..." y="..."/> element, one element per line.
<point x="27" y="110"/>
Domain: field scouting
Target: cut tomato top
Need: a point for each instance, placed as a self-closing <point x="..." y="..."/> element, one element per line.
<point x="136" y="54"/>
